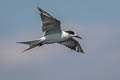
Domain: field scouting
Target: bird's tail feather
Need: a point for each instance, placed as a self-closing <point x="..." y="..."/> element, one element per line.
<point x="31" y="44"/>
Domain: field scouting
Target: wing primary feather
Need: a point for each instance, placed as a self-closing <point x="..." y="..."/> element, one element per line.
<point x="39" y="9"/>
<point x="72" y="44"/>
<point x="50" y="24"/>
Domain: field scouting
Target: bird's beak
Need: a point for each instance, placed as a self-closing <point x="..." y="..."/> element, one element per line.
<point x="78" y="37"/>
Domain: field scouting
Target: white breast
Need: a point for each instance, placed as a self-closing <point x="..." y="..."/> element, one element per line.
<point x="54" y="38"/>
<point x="65" y="35"/>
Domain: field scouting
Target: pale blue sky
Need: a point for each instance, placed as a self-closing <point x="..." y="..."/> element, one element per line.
<point x="19" y="14"/>
<point x="97" y="21"/>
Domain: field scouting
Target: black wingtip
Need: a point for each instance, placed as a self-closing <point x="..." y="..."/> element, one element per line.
<point x="82" y="52"/>
<point x="39" y="9"/>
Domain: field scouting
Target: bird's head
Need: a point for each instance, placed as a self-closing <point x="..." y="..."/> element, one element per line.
<point x="72" y="34"/>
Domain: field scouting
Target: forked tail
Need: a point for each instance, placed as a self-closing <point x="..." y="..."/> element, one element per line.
<point x="31" y="44"/>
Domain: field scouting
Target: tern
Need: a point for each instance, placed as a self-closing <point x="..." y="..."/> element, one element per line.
<point x="53" y="33"/>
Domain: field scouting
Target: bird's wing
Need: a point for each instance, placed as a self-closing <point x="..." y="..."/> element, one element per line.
<point x="50" y="25"/>
<point x="72" y="44"/>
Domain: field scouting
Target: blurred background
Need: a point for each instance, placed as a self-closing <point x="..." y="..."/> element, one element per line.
<point x="96" y="21"/>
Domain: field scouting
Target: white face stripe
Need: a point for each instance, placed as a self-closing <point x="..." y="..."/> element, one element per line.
<point x="46" y="14"/>
<point x="64" y="35"/>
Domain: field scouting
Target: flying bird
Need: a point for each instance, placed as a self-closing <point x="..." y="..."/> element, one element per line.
<point x="53" y="33"/>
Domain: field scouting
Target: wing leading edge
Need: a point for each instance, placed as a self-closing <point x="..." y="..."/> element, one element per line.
<point x="50" y="25"/>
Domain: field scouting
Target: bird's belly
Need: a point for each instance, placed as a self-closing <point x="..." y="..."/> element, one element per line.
<point x="54" y="38"/>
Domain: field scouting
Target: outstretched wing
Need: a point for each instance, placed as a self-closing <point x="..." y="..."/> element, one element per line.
<point x="72" y="44"/>
<point x="50" y="25"/>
